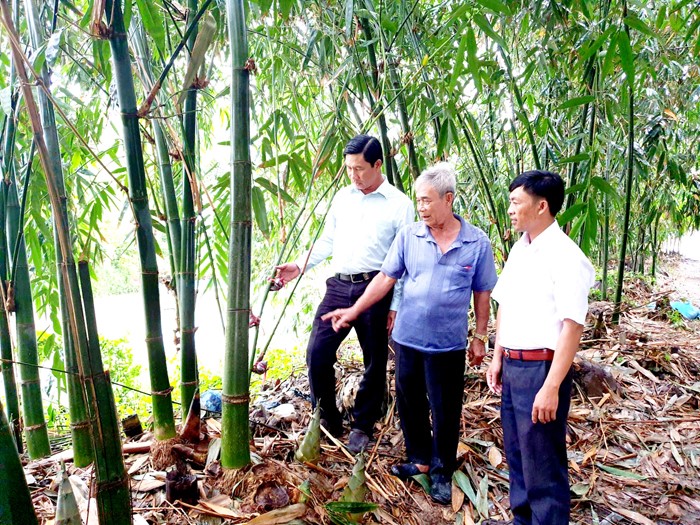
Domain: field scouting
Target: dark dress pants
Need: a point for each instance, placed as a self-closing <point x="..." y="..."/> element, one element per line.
<point x="536" y="453"/>
<point x="323" y="345"/>
<point x="430" y="384"/>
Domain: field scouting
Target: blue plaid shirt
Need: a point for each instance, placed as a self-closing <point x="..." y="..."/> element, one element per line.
<point x="432" y="316"/>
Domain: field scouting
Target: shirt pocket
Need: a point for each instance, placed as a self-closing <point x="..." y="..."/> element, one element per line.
<point x="462" y="276"/>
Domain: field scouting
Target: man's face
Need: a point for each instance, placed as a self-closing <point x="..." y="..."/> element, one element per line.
<point x="525" y="209"/>
<point x="364" y="176"/>
<point x="432" y="208"/>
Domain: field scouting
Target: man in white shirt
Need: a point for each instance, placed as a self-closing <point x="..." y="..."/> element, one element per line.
<point x="360" y="226"/>
<point x="542" y="296"/>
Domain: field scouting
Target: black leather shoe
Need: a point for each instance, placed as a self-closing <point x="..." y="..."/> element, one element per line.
<point x="357" y="441"/>
<point x="441" y="490"/>
<point x="405" y="470"/>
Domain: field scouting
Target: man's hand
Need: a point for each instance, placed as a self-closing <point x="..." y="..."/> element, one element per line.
<point x="493" y="376"/>
<point x="287" y="272"/>
<point x="341" y="318"/>
<point x="544" y="409"/>
<point x="476" y="352"/>
<point x="390" y="321"/>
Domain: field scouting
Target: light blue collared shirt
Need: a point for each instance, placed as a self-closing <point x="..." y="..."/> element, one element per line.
<point x="438" y="286"/>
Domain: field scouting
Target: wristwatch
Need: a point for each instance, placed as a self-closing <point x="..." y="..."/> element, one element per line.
<point x="482" y="337"/>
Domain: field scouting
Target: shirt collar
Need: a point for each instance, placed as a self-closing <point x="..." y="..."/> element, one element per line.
<point x="543" y="238"/>
<point x="467" y="233"/>
<point x="382" y="190"/>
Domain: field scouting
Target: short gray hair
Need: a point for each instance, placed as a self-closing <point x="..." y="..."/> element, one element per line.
<point x="440" y="176"/>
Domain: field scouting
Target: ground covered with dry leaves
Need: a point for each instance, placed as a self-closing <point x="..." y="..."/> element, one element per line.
<point x="634" y="440"/>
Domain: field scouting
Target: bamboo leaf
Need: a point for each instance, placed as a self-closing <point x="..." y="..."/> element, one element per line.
<point x="637" y="23"/>
<point x="260" y="210"/>
<point x="597" y="44"/>
<point x="350" y="506"/>
<point x="423" y="481"/>
<point x="486" y="27"/>
<point x="472" y="59"/>
<point x="463" y="483"/>
<point x="459" y="62"/>
<point x="604" y="186"/>
<point x="53" y="47"/>
<point x="349" y="25"/>
<point x="570" y="213"/>
<point x="620" y="472"/>
<point x="443" y="139"/>
<point x="482" y="500"/>
<point x="286" y="8"/>
<point x="626" y="56"/>
<point x="576" y="101"/>
<point x="274" y="189"/>
<point x="495" y="5"/>
<point x="152" y="22"/>
<point x="574" y="158"/>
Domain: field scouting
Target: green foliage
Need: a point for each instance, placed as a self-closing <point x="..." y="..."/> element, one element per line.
<point x="117" y="357"/>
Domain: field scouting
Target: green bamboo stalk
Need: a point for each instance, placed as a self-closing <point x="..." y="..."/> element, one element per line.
<point x="8" y="371"/>
<point x="167" y="184"/>
<point x="164" y="421"/>
<point x="186" y="266"/>
<point x="629" y="183"/>
<point x="16" y="507"/>
<point x="377" y="106"/>
<point x="32" y="406"/>
<point x="113" y="496"/>
<point x="112" y="483"/>
<point x="80" y="425"/>
<point x="35" y="429"/>
<point x="235" y="433"/>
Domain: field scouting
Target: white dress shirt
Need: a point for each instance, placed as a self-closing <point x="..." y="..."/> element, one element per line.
<point x="359" y="230"/>
<point x="543" y="282"/>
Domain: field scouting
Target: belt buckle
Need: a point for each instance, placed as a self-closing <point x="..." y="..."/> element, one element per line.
<point x="506" y="352"/>
<point x="362" y="277"/>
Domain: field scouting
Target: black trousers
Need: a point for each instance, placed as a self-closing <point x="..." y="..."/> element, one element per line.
<point x="430" y="384"/>
<point x="323" y="345"/>
<point x="536" y="453"/>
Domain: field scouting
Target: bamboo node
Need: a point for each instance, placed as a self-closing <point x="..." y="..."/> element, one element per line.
<point x="106" y="485"/>
<point x="31" y="428"/>
<point x="82" y="424"/>
<point x="189" y="330"/>
<point x="163" y="393"/>
<point x="151" y="339"/>
<point x="10" y="301"/>
<point x="189" y="383"/>
<point x="407" y="138"/>
<point x="235" y="400"/>
<point x="23" y="382"/>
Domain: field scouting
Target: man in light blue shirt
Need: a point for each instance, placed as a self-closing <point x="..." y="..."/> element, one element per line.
<point x="443" y="260"/>
<point x="360" y="226"/>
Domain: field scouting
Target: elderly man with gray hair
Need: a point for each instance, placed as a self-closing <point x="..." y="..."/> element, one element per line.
<point x="444" y="260"/>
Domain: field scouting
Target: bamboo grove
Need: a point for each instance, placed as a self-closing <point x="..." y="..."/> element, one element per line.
<point x="216" y="128"/>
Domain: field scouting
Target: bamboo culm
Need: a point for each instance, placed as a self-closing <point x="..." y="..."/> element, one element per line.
<point x="164" y="421"/>
<point x="235" y="433"/>
<point x="80" y="426"/>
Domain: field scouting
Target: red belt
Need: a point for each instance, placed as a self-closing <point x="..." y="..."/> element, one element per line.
<point x="538" y="354"/>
